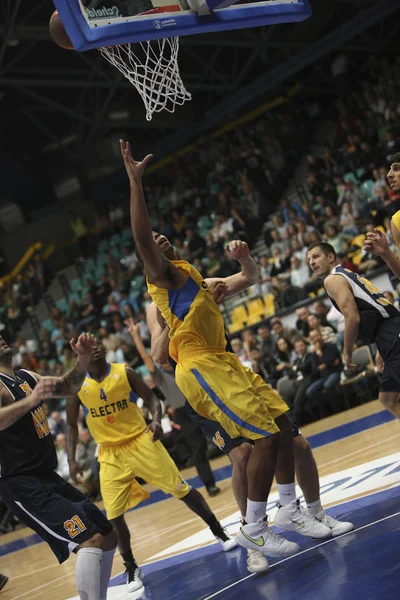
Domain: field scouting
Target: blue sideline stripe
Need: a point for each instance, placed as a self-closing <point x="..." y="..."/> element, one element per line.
<point x="320" y="439"/>
<point x="231" y="415"/>
<point x="342" y="431"/>
<point x="181" y="300"/>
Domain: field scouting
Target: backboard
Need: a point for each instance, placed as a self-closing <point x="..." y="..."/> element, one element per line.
<point x="98" y="23"/>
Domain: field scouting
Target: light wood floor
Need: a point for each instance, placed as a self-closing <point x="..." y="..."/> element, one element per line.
<point x="35" y="574"/>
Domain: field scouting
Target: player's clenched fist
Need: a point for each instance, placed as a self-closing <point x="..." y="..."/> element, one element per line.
<point x="237" y="250"/>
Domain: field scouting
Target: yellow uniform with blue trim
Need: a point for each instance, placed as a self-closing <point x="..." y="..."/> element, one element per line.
<point x="396" y="220"/>
<point x="126" y="450"/>
<point x="214" y="381"/>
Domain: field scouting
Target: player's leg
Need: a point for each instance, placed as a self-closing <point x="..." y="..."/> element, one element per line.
<point x="68" y="522"/>
<point x="3" y="580"/>
<point x="134" y="574"/>
<point x="308" y="480"/>
<point x="154" y="465"/>
<point x="391" y="401"/>
<point x="120" y="491"/>
<point x="197" y="443"/>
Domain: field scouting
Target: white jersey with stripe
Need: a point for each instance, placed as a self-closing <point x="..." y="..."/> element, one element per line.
<point x="372" y="305"/>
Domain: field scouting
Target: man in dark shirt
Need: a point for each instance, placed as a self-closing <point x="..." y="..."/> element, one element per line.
<point x="328" y="362"/>
<point x="267" y="346"/>
<point x="305" y="370"/>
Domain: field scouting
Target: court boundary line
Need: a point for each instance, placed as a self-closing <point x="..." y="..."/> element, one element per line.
<point x="304" y="552"/>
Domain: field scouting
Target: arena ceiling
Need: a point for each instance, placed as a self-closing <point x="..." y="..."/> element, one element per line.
<point x="51" y="98"/>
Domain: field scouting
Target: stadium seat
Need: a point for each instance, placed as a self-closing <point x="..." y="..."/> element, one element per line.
<point x="367" y="188"/>
<point x="239" y="316"/>
<point x="75" y="285"/>
<point x="256" y="309"/>
<point x="47" y="324"/>
<point x="350" y="177"/>
<point x="269" y="305"/>
<point x="62" y="304"/>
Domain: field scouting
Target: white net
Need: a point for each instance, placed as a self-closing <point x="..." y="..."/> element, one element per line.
<point x="152" y="67"/>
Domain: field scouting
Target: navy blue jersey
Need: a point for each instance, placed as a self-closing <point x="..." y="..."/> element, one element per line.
<point x="26" y="446"/>
<point x="372" y="305"/>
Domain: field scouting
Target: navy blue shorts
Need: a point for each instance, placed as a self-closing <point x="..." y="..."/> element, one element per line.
<point x="59" y="513"/>
<point x="388" y="344"/>
<point x="217" y="434"/>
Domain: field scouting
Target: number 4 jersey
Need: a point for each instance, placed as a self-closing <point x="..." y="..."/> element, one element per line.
<point x="110" y="407"/>
<point x="372" y="305"/>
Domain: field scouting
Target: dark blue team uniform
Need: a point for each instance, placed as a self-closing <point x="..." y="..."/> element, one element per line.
<point x="379" y="324"/>
<point x="31" y="489"/>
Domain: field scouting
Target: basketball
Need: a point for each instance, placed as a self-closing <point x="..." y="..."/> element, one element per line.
<point x="58" y="33"/>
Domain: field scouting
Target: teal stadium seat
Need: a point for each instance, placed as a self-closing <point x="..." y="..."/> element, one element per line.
<point x="367" y="188"/>
<point x="47" y="324"/>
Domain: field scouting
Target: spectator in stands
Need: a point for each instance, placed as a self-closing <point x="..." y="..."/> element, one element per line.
<point x="238" y="349"/>
<point x="303" y="371"/>
<point x="289" y="294"/>
<point x="302" y="325"/>
<point x="86" y="457"/>
<point x="320" y="309"/>
<point x="326" y="332"/>
<point x="62" y="458"/>
<point x="57" y="424"/>
<point x="329" y="365"/>
<point x="267" y="345"/>
<point x="279" y="331"/>
<point x="284" y="356"/>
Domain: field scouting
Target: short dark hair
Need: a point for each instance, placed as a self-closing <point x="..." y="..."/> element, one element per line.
<point x="394" y="158"/>
<point x="325" y="247"/>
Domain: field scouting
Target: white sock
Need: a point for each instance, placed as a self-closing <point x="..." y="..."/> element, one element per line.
<point x="314" y="507"/>
<point x="287" y="493"/>
<point x="88" y="573"/>
<point x="255" y="511"/>
<point x="106" y="566"/>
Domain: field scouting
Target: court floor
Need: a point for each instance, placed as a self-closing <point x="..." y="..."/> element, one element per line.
<point x="358" y="456"/>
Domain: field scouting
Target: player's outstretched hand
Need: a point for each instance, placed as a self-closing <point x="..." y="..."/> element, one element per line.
<point x="237" y="250"/>
<point x="379" y="362"/>
<point x="85" y="345"/>
<point x="376" y="242"/>
<point x="45" y="389"/>
<point x="75" y="470"/>
<point x="218" y="290"/>
<point x="134" y="168"/>
<point x="156" y="428"/>
<point x="133" y="327"/>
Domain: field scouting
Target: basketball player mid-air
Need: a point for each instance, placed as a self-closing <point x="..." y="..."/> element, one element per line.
<point x="369" y="316"/>
<point x="128" y="448"/>
<point x="213" y="380"/>
<point x="291" y="516"/>
<point x="29" y="485"/>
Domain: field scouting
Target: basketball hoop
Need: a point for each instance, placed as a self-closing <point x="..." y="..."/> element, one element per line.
<point x="152" y="68"/>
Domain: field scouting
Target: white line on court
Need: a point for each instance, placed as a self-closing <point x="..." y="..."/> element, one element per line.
<point x="304" y="552"/>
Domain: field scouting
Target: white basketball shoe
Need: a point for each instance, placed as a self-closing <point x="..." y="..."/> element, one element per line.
<point x="258" y="536"/>
<point x="294" y="517"/>
<point x="257" y="562"/>
<point x="336" y="527"/>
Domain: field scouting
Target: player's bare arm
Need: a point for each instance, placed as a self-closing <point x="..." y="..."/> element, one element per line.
<point x="151" y="400"/>
<point x="73" y="404"/>
<point x="159" y="269"/>
<point x="339" y="290"/>
<point x="249" y="275"/>
<point x="159" y="335"/>
<point x="70" y="383"/>
<point x="376" y="242"/>
<point x="11" y="411"/>
<point x="134" y="330"/>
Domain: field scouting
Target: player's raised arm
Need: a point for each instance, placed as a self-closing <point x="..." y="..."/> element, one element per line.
<point x="153" y="403"/>
<point x="134" y="330"/>
<point x="159" y="269"/>
<point x="376" y="242"/>
<point x="248" y="276"/>
<point x="339" y="291"/>
<point x="159" y="335"/>
<point x="70" y="383"/>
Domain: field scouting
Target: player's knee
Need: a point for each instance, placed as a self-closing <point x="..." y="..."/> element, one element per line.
<point x="301" y="446"/>
<point x="390" y="400"/>
<point x="240" y="456"/>
<point x="109" y="541"/>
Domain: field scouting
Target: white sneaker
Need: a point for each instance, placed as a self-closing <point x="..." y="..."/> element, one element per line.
<point x="257" y="562"/>
<point x="226" y="540"/>
<point x="336" y="527"/>
<point x="258" y="536"/>
<point x="134" y="578"/>
<point x="294" y="517"/>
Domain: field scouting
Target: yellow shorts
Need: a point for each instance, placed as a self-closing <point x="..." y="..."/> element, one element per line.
<point x="140" y="457"/>
<point x="220" y="388"/>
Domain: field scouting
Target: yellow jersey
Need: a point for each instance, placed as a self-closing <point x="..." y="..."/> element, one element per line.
<point x="110" y="407"/>
<point x="396" y="220"/>
<point x="193" y="318"/>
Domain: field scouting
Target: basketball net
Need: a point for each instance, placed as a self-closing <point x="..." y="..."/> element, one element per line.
<point x="152" y="67"/>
